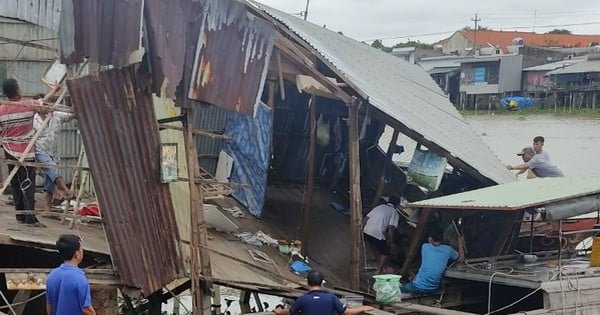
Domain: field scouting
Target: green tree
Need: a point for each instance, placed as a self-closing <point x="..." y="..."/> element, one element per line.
<point x="559" y="31"/>
<point x="379" y="45"/>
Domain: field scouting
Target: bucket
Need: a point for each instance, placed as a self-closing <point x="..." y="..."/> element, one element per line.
<point x="595" y="255"/>
<point x="387" y="288"/>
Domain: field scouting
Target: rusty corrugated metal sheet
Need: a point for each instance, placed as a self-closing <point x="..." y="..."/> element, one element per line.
<point x="119" y="130"/>
<point x="172" y="30"/>
<point x="105" y="31"/>
<point x="45" y="13"/>
<point x="232" y="56"/>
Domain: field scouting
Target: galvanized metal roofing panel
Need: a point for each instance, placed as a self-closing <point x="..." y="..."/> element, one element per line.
<point x="45" y="13"/>
<point x="401" y="90"/>
<point x="118" y="127"/>
<point x="582" y="67"/>
<point x="555" y="65"/>
<point x="517" y="195"/>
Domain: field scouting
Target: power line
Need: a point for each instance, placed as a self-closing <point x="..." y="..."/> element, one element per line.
<point x="492" y="27"/>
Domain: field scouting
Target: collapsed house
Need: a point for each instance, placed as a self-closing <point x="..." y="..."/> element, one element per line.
<point x="187" y="101"/>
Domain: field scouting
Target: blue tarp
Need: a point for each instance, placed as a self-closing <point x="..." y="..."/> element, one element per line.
<point x="250" y="148"/>
<point x="516" y="102"/>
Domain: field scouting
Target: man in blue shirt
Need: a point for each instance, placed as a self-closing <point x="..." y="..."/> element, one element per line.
<point x="318" y="301"/>
<point x="434" y="260"/>
<point x="67" y="288"/>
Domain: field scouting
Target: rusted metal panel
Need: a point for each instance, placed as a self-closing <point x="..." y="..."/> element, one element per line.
<point x="171" y="28"/>
<point x="45" y="13"/>
<point x="104" y="31"/>
<point x="119" y="130"/>
<point x="232" y="56"/>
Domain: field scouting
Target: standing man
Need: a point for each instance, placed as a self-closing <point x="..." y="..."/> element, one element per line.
<point x="67" y="288"/>
<point x="379" y="229"/>
<point x="16" y="130"/>
<point x="434" y="261"/>
<point x="45" y="153"/>
<point x="317" y="301"/>
<point x="535" y="165"/>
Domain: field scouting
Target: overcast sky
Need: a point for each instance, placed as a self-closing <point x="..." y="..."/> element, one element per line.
<point x="431" y="20"/>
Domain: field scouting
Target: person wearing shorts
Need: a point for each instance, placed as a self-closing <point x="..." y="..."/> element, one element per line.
<point x="379" y="229"/>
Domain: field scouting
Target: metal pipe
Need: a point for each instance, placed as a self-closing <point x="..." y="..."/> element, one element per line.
<point x="306" y="10"/>
<point x="570" y="208"/>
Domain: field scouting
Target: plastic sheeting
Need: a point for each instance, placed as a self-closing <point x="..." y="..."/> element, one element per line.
<point x="516" y="102"/>
<point x="250" y="148"/>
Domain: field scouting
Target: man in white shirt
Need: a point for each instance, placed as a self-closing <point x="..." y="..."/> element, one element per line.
<point x="45" y="153"/>
<point x="379" y="229"/>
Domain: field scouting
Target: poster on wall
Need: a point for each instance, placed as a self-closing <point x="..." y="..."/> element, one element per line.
<point x="169" y="170"/>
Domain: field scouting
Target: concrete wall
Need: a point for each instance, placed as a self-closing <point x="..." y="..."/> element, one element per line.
<point x="511" y="69"/>
<point x="456" y="42"/>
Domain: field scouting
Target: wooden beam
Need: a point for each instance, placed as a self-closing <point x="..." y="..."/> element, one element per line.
<point x="195" y="131"/>
<point x="294" y="53"/>
<point x="280" y="76"/>
<point x="40" y="165"/>
<point x="200" y="299"/>
<point x="388" y="159"/>
<point x="27" y="43"/>
<point x="355" y="195"/>
<point x="310" y="181"/>
<point x="415" y="244"/>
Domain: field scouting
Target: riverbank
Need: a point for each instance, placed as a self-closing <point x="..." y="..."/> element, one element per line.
<point x="559" y="112"/>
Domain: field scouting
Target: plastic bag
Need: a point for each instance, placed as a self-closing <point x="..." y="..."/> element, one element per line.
<point x="387" y="288"/>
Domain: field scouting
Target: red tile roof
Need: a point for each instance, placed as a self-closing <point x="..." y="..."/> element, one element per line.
<point x="504" y="39"/>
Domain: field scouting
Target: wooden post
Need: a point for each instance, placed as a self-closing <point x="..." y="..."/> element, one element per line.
<point x="415" y="243"/>
<point x="310" y="181"/>
<point x="355" y="195"/>
<point x="245" y="301"/>
<point x="388" y="159"/>
<point x="200" y="299"/>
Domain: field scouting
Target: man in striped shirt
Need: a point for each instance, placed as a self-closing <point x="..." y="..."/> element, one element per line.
<point x="16" y="130"/>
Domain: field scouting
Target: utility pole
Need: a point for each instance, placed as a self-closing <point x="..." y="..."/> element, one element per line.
<point x="476" y="20"/>
<point x="306" y="10"/>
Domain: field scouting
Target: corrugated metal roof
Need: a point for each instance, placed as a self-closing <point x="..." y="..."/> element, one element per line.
<point x="442" y="70"/>
<point x="518" y="195"/>
<point x="119" y="130"/>
<point x="441" y="62"/>
<point x="106" y="32"/>
<point x="45" y="13"/>
<point x="232" y="57"/>
<point x="581" y="67"/>
<point x="402" y="91"/>
<point x="555" y="65"/>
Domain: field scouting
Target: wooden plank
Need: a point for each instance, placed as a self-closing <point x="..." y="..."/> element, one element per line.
<point x="310" y="181"/>
<point x="355" y="195"/>
<point x="198" y="237"/>
<point x="415" y="244"/>
<point x="388" y="159"/>
<point x="512" y="223"/>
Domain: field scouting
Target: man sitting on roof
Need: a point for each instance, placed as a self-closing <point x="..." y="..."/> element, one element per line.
<point x="434" y="260"/>
<point x="536" y="165"/>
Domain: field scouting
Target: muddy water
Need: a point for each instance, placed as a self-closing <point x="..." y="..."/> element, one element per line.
<point x="572" y="142"/>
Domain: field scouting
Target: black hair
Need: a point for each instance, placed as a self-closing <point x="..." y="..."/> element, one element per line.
<point x="394" y="200"/>
<point x="538" y="139"/>
<point x="39" y="96"/>
<point x="314" y="278"/>
<point x="10" y="87"/>
<point x="436" y="234"/>
<point x="67" y="245"/>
